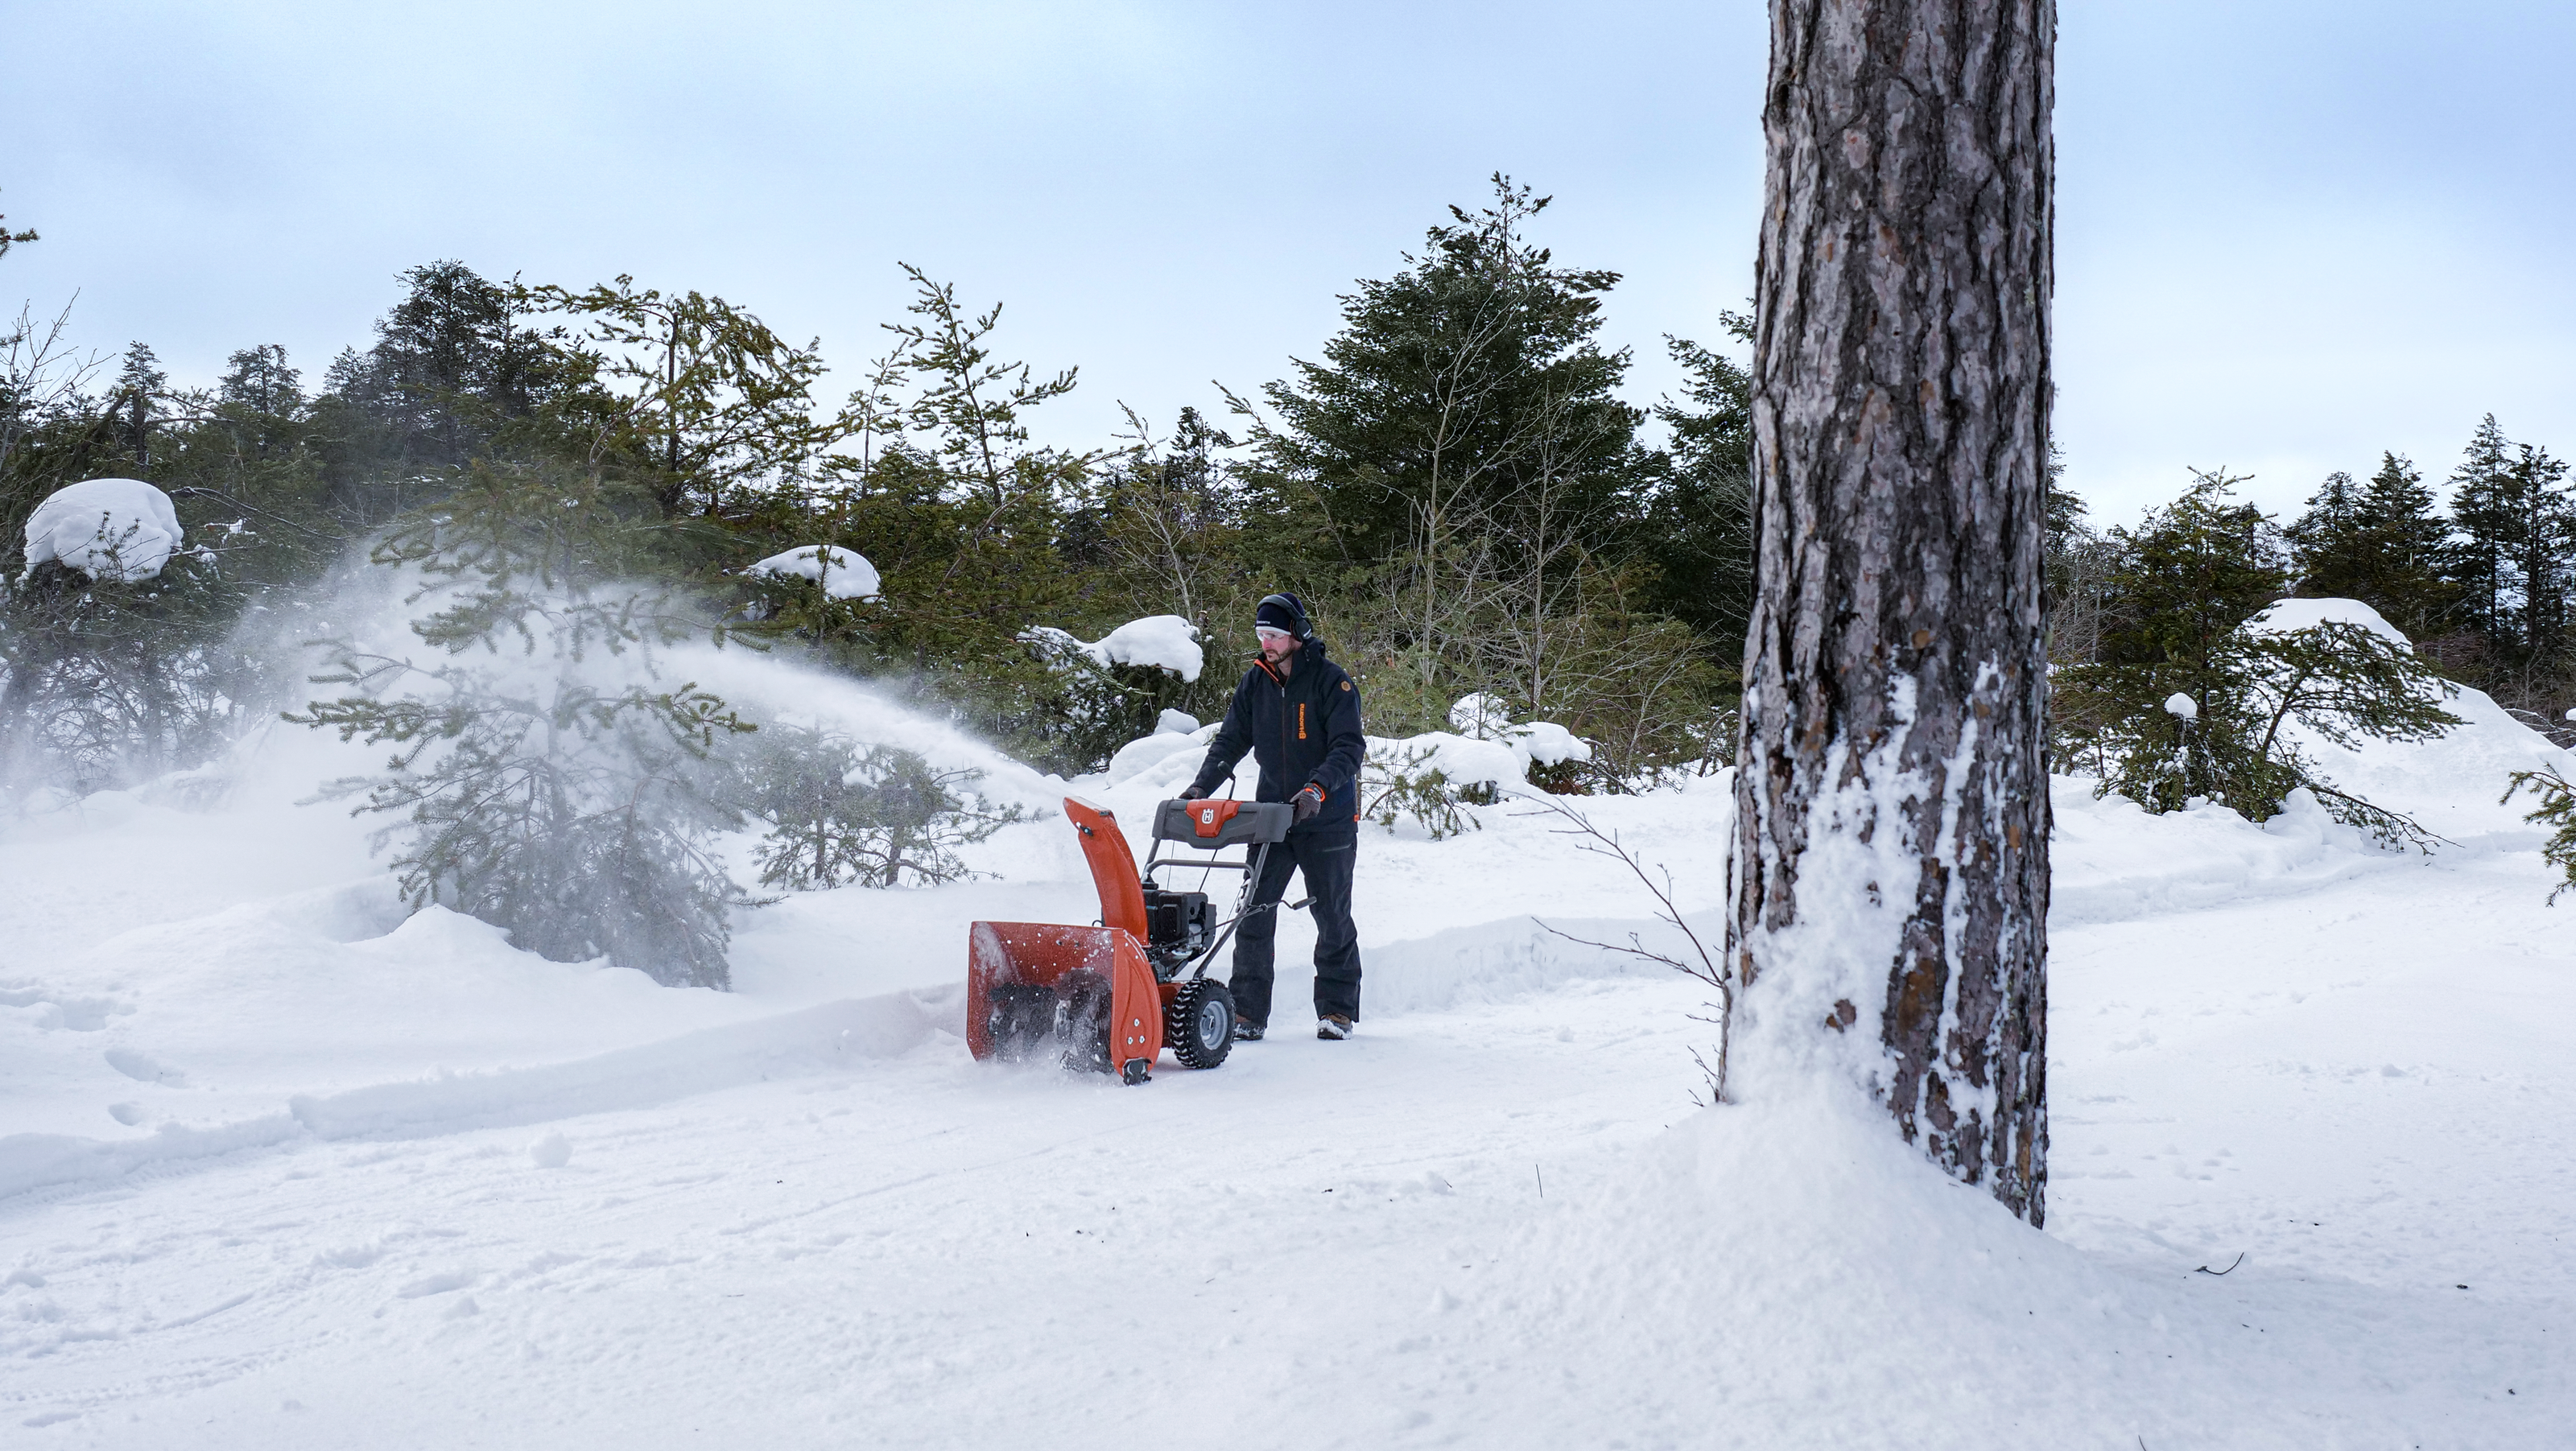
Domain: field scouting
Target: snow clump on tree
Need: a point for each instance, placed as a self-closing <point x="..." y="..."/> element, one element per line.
<point x="1116" y="688"/>
<point x="1160" y="642"/>
<point x="846" y="574"/>
<point x="116" y="530"/>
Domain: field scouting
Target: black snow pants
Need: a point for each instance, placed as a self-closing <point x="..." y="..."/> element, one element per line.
<point x="1325" y="854"/>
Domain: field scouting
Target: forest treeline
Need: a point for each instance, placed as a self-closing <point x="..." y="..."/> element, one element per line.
<point x="2479" y="585"/>
<point x="1454" y="483"/>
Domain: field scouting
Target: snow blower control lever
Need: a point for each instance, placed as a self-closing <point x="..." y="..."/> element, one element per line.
<point x="1111" y="997"/>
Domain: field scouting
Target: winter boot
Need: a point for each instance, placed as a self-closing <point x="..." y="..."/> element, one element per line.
<point x="1332" y="1027"/>
<point x="1246" y="1030"/>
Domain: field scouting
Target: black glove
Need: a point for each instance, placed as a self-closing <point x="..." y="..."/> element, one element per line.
<point x="1307" y="803"/>
<point x="1192" y="793"/>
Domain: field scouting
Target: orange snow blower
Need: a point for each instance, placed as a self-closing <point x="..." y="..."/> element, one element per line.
<point x="1111" y="997"/>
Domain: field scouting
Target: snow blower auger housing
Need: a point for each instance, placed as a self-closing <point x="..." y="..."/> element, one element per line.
<point x="1110" y="997"/>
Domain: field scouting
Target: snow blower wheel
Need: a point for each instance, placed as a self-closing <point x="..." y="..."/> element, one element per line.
<point x="1199" y="1025"/>
<point x="1108" y="998"/>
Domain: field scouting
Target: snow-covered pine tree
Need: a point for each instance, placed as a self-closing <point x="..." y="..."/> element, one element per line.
<point x="549" y="783"/>
<point x="1891" y="856"/>
<point x="2189" y="579"/>
<point x="2556" y="809"/>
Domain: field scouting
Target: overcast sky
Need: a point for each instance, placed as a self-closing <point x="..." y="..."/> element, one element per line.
<point x="2291" y="234"/>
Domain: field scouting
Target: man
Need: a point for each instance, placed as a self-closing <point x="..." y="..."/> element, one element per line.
<point x="1299" y="715"/>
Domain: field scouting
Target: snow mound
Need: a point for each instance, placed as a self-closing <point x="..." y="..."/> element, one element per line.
<point x="1827" y="1289"/>
<point x="2285" y="616"/>
<point x="850" y="575"/>
<point x="1463" y="761"/>
<point x="1545" y="743"/>
<point x="1485" y="717"/>
<point x="1180" y="750"/>
<point x="2452" y="784"/>
<point x="1503" y="761"/>
<point x="121" y="530"/>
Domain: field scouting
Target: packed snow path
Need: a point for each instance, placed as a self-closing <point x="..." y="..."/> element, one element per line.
<point x="916" y="1252"/>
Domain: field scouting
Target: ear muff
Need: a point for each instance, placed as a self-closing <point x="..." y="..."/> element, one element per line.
<point x="1305" y="629"/>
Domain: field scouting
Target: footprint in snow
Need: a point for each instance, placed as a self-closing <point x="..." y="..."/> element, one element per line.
<point x="144" y="1068"/>
<point x="80" y="1015"/>
<point x="434" y="1285"/>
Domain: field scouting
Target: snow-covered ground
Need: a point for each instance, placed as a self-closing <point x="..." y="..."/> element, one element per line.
<point x="280" y="1168"/>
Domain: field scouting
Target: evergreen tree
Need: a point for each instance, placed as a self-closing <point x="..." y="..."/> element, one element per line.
<point x="1893" y="768"/>
<point x="140" y="387"/>
<point x="564" y="794"/>
<point x="969" y="407"/>
<point x="10" y="239"/>
<point x="1450" y="390"/>
<point x="1457" y="465"/>
<point x="260" y="397"/>
<point x="2192" y="573"/>
<point x="2408" y="539"/>
<point x="2516" y="528"/>
<point x="2190" y="694"/>
<point x="2556" y="809"/>
<point x="842" y="812"/>
<point x="1167" y="516"/>
<point x="1698" y="516"/>
<point x="2331" y="543"/>
<point x="689" y="387"/>
<point x="261" y="380"/>
<point x="2380" y="543"/>
<point x="451" y="368"/>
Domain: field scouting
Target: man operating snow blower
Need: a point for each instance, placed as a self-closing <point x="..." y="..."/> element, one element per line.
<point x="1299" y="715"/>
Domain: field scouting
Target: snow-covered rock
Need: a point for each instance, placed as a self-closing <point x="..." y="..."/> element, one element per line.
<point x="118" y="530"/>
<point x="849" y="575"/>
<point x="1165" y="642"/>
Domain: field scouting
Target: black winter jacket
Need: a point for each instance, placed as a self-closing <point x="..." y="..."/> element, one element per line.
<point x="1305" y="728"/>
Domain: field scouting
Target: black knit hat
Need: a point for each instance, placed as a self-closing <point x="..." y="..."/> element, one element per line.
<point x="1282" y="612"/>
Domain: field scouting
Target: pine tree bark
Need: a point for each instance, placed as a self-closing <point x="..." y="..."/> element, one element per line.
<point x="1891" y="865"/>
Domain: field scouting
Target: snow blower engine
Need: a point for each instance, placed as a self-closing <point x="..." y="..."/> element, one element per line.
<point x="1110" y="997"/>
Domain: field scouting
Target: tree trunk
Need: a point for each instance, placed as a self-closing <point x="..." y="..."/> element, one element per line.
<point x="1891" y="864"/>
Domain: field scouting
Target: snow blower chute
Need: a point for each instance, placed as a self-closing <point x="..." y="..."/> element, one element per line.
<point x="1112" y="996"/>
